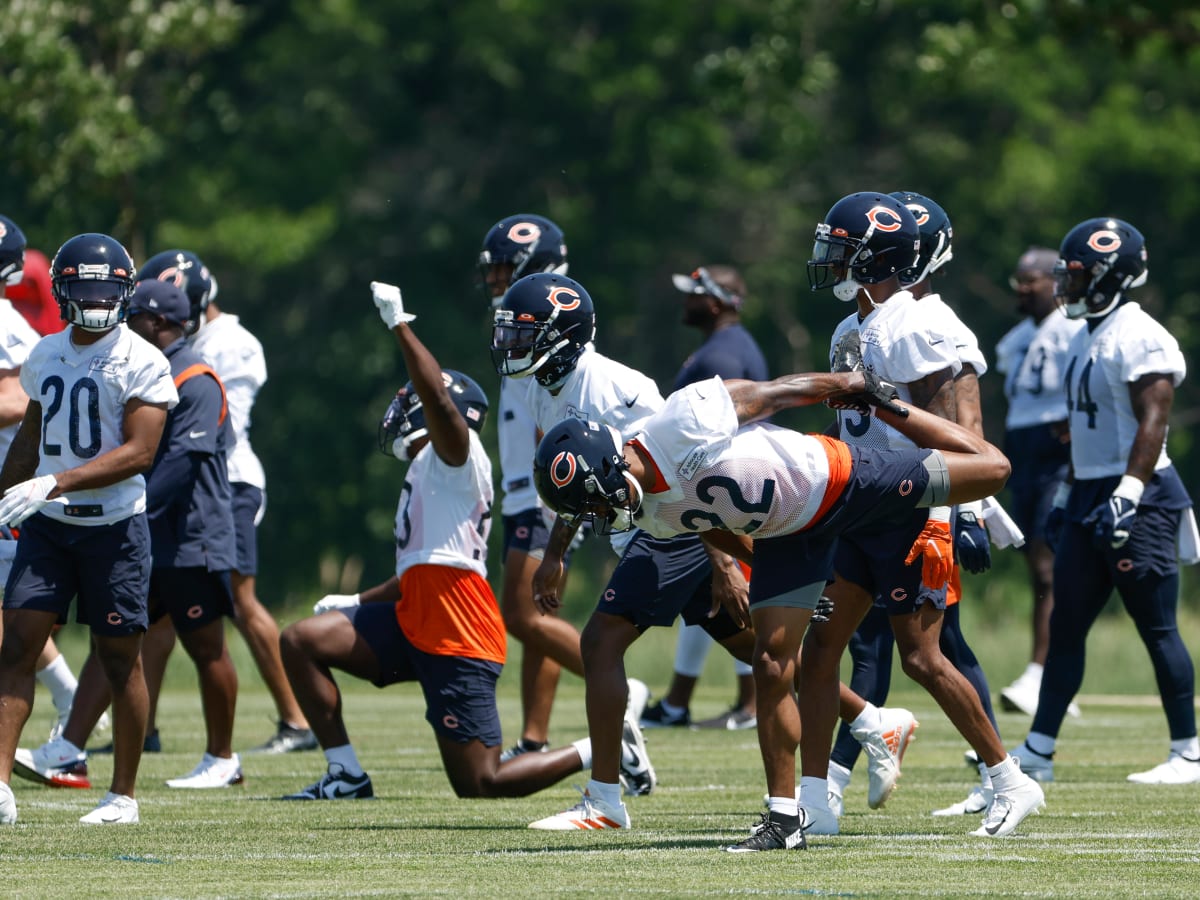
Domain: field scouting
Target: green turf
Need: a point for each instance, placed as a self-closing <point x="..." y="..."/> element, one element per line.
<point x="1099" y="835"/>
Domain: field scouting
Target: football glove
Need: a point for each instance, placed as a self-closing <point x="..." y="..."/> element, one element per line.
<point x="847" y="353"/>
<point x="22" y="500"/>
<point x="824" y="610"/>
<point x="878" y="393"/>
<point x="1056" y="521"/>
<point x="934" y="548"/>
<point x="336" y="601"/>
<point x="389" y="303"/>
<point x="971" y="543"/>
<point x="1111" y="521"/>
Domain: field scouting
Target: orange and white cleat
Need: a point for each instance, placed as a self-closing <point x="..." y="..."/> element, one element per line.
<point x="589" y="814"/>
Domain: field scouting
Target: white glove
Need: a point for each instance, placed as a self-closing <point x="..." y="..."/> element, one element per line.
<point x="336" y="601"/>
<point x="22" y="500"/>
<point x="390" y="305"/>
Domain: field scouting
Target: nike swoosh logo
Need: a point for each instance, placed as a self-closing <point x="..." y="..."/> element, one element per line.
<point x="629" y="403"/>
<point x="992" y="829"/>
<point x="196" y="434"/>
<point x="339" y="792"/>
<point x="935" y="343"/>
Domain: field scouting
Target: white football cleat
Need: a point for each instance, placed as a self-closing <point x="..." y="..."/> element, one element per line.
<point x="885" y="748"/>
<point x="637" y="774"/>
<point x="211" y="772"/>
<point x="639" y="696"/>
<point x="58" y="763"/>
<point x="1022" y="695"/>
<point x="819" y="820"/>
<point x="114" y="809"/>
<point x="8" y="805"/>
<point x="1178" y="769"/>
<point x="977" y="802"/>
<point x="1010" y="807"/>
<point x="589" y="814"/>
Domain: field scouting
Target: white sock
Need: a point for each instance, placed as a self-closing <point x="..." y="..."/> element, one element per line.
<point x="839" y="775"/>
<point x="1003" y="774"/>
<point x="604" y="792"/>
<point x="985" y="780"/>
<point x="584" y="748"/>
<point x="1033" y="671"/>
<point x="868" y="720"/>
<point x="58" y="679"/>
<point x="345" y="757"/>
<point x="1188" y="748"/>
<point x="814" y="792"/>
<point x="783" y="806"/>
<point x="1040" y="743"/>
<point x="691" y="650"/>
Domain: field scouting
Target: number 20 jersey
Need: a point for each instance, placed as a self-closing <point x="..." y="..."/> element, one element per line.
<point x="760" y="480"/>
<point x="83" y="392"/>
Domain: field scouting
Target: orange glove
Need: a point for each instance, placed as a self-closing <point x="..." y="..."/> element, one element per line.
<point x="935" y="548"/>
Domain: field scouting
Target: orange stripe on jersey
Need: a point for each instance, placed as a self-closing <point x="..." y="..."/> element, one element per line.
<point x="660" y="483"/>
<point x="840" y="470"/>
<point x="451" y="612"/>
<point x="954" y="587"/>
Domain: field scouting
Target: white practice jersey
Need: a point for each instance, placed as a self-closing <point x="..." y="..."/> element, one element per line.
<point x="966" y="345"/>
<point x="17" y="340"/>
<point x="600" y="390"/>
<point x="83" y="392"/>
<point x="1101" y="365"/>
<point x="517" y="434"/>
<point x="902" y="341"/>
<point x="445" y="513"/>
<point x="762" y="480"/>
<point x="237" y="356"/>
<point x="1032" y="357"/>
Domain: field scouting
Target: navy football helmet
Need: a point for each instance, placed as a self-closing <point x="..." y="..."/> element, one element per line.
<point x="542" y="326"/>
<point x="92" y="277"/>
<point x="528" y="243"/>
<point x="404" y="421"/>
<point x="579" y="473"/>
<point x="1099" y="260"/>
<point x="185" y="270"/>
<point x="936" y="236"/>
<point x="12" y="252"/>
<point x="866" y="238"/>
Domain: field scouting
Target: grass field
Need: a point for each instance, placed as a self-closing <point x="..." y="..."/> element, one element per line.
<point x="1099" y="835"/>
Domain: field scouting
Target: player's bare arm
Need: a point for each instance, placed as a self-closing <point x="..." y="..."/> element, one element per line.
<point x="968" y="408"/>
<point x="1152" y="396"/>
<point x="448" y="430"/>
<point x="547" y="580"/>
<point x="13" y="399"/>
<point x="387" y="592"/>
<point x="754" y="400"/>
<point x="729" y="586"/>
<point x="935" y="393"/>
<point x="23" y="455"/>
<point x="142" y="429"/>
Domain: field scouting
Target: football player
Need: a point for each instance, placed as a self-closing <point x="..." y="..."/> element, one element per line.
<point x="436" y="620"/>
<point x="73" y="479"/>
<point x="1032" y="357"/>
<point x="867" y="244"/>
<point x="692" y="467"/>
<point x="1117" y="523"/>
<point x="543" y="332"/>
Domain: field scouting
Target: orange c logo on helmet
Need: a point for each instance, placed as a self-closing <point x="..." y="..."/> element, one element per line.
<point x="172" y="275"/>
<point x="884" y="219"/>
<point x="920" y="213"/>
<point x="563" y="297"/>
<point x="524" y="233"/>
<point x="563" y="459"/>
<point x="1104" y="241"/>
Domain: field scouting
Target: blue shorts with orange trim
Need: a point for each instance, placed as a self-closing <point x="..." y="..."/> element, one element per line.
<point x="460" y="693"/>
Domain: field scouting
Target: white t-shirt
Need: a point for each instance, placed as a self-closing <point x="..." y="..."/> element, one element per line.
<point x="902" y="342"/>
<point x="1032" y="357"/>
<point x="1100" y="366"/>
<point x="600" y="390"/>
<point x="83" y="392"/>
<point x="761" y="480"/>
<point x="445" y="513"/>
<point x="17" y="340"/>
<point x="237" y="356"/>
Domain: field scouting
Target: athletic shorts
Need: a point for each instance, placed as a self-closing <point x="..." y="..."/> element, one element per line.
<point x="1040" y="463"/>
<point x="248" y="505"/>
<point x="460" y="693"/>
<point x="192" y="596"/>
<point x="1150" y="550"/>
<point x="107" y="567"/>
<point x="660" y="579"/>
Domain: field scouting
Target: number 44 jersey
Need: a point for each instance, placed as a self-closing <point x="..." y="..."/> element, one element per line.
<point x="760" y="480"/>
<point x="83" y="391"/>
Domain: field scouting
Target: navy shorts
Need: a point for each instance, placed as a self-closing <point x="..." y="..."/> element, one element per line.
<point x="526" y="532"/>
<point x="247" y="504"/>
<point x="192" y="596"/>
<point x="460" y="692"/>
<point x="107" y="567"/>
<point x="878" y="521"/>
<point x="661" y="579"/>
<point x="1040" y="462"/>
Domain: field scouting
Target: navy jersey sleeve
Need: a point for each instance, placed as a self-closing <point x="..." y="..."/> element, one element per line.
<point x="197" y="420"/>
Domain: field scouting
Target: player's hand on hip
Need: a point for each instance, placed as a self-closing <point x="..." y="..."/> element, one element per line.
<point x="1112" y="521"/>
<point x="390" y="304"/>
<point x="22" y="500"/>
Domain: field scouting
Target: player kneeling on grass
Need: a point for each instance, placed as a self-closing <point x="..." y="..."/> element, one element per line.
<point x="693" y="467"/>
<point x="436" y="621"/>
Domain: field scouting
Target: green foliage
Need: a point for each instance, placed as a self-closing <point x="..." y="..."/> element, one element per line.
<point x="306" y="148"/>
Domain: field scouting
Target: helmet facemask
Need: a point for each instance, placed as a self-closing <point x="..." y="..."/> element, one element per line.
<point x="93" y="304"/>
<point x="1092" y="293"/>
<point x="533" y="347"/>
<point x="402" y="425"/>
